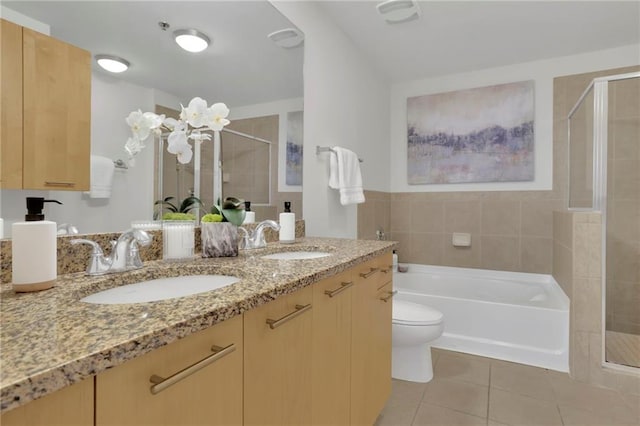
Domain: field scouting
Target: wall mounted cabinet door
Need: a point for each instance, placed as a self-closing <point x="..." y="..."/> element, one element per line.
<point x="57" y="114"/>
<point x="332" y="350"/>
<point x="277" y="361"/>
<point x="131" y="393"/>
<point x="70" y="406"/>
<point x="11" y="105"/>
<point x="371" y="341"/>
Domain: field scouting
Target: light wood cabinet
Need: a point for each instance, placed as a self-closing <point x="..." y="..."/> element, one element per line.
<point x="46" y="112"/>
<point x="70" y="406"/>
<point x="332" y="350"/>
<point x="371" y="340"/>
<point x="211" y="395"/>
<point x="277" y="361"/>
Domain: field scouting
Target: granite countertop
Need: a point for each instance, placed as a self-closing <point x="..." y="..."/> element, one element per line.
<point x="49" y="339"/>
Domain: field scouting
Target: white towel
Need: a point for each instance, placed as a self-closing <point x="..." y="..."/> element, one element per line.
<point x="102" y="169"/>
<point x="345" y="176"/>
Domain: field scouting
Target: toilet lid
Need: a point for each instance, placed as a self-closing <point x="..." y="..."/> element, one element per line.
<point x="407" y="313"/>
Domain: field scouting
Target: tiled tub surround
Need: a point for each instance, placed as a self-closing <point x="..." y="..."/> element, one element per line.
<point x="577" y="267"/>
<point x="50" y="339"/>
<point x="74" y="258"/>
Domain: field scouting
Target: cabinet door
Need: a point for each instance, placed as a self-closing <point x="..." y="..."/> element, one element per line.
<point x="332" y="350"/>
<point x="371" y="341"/>
<point x="57" y="110"/>
<point x="211" y="395"/>
<point x="11" y="105"/>
<point x="70" y="406"/>
<point x="277" y="361"/>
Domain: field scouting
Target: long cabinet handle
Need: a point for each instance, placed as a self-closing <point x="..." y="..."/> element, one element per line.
<point x="63" y="184"/>
<point x="387" y="270"/>
<point x="343" y="287"/>
<point x="160" y="383"/>
<point x="368" y="274"/>
<point x="390" y="295"/>
<point x="300" y="309"/>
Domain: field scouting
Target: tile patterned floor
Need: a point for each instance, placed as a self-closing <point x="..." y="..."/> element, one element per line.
<point x="472" y="390"/>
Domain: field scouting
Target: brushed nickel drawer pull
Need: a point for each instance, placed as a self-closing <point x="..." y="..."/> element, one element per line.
<point x="160" y="383"/>
<point x="300" y="309"/>
<point x="387" y="270"/>
<point x="343" y="287"/>
<point x="368" y="274"/>
<point x="64" y="184"/>
<point x="390" y="295"/>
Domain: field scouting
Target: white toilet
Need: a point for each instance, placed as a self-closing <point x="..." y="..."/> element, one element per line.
<point x="414" y="328"/>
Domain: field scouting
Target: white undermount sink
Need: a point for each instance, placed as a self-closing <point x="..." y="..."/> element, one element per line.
<point x="297" y="255"/>
<point x="160" y="289"/>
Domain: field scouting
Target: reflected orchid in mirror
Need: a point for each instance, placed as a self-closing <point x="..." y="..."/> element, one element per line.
<point x="195" y="120"/>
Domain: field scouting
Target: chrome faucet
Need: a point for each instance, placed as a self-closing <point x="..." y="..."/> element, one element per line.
<point x="125" y="255"/>
<point x="255" y="239"/>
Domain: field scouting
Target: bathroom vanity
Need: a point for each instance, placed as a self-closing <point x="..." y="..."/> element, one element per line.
<point x="294" y="342"/>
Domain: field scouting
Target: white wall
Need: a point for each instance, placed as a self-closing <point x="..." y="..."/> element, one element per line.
<point x="281" y="108"/>
<point x="542" y="72"/>
<point x="346" y="103"/>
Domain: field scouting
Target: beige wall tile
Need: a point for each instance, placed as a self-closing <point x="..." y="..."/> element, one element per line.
<point x="579" y="356"/>
<point x="500" y="217"/>
<point x="626" y="132"/>
<point x="462" y="257"/>
<point x="625" y="176"/>
<point x="536" y="255"/>
<point x="586" y="305"/>
<point x="500" y="253"/>
<point x="537" y="217"/>
<point x="426" y="248"/>
<point x="400" y="216"/>
<point x="462" y="216"/>
<point x="427" y="216"/>
<point x="405" y="254"/>
<point x="627" y="93"/>
<point x="624" y="222"/>
<point x="581" y="250"/>
<point x="563" y="268"/>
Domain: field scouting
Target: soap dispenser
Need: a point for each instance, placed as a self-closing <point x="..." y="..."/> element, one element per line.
<point x="34" y="249"/>
<point x="287" y="224"/>
<point x="249" y="216"/>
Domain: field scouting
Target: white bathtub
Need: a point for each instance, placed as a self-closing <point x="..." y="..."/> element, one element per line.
<point x="512" y="316"/>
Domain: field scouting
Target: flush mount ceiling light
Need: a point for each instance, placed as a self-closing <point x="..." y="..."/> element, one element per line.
<point x="112" y="63"/>
<point x="191" y="40"/>
<point x="397" y="11"/>
<point x="287" y="38"/>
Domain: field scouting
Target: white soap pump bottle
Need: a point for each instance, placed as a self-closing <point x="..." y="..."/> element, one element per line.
<point x="34" y="264"/>
<point x="287" y="224"/>
<point x="249" y="216"/>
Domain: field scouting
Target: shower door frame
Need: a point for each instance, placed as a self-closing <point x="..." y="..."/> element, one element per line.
<point x="600" y="86"/>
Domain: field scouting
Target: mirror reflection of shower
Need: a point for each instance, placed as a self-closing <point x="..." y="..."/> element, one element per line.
<point x="604" y="175"/>
<point x="246" y="162"/>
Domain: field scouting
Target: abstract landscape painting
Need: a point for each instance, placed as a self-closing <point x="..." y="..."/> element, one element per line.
<point x="294" y="148"/>
<point x="476" y="135"/>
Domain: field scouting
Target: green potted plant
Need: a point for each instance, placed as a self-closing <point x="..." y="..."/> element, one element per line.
<point x="219" y="228"/>
<point x="175" y="211"/>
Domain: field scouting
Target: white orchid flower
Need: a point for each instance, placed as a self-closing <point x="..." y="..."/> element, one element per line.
<point x="140" y="126"/>
<point x="184" y="154"/>
<point x="195" y="113"/>
<point x="133" y="146"/>
<point x="176" y="139"/>
<point x="216" y="116"/>
<point x="173" y="124"/>
<point x="197" y="136"/>
<point x="153" y="120"/>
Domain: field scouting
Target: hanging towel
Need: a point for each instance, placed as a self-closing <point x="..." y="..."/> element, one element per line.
<point x="102" y="169"/>
<point x="344" y="175"/>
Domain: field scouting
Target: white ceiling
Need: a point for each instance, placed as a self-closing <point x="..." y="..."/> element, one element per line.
<point x="241" y="67"/>
<point x="458" y="36"/>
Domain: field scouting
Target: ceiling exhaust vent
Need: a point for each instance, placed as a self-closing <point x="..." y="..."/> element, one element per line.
<point x="397" y="11"/>
<point x="287" y="38"/>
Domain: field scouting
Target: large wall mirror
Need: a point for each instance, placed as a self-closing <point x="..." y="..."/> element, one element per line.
<point x="260" y="82"/>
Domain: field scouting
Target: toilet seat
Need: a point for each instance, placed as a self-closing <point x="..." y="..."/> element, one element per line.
<point x="408" y="313"/>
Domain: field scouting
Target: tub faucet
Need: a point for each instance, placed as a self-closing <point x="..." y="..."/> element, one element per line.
<point x="125" y="255"/>
<point x="255" y="239"/>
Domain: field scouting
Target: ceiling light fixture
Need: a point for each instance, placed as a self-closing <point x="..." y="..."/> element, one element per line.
<point x="397" y="11"/>
<point x="287" y="38"/>
<point x="112" y="63"/>
<point x="191" y="40"/>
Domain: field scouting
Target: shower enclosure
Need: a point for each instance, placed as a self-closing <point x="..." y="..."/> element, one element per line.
<point x="604" y="175"/>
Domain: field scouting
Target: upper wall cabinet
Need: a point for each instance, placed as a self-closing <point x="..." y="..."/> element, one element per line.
<point x="46" y="112"/>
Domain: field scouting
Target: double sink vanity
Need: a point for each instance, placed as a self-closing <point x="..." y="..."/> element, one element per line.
<point x="288" y="334"/>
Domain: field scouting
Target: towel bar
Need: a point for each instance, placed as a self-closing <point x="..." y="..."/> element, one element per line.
<point x="320" y="149"/>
